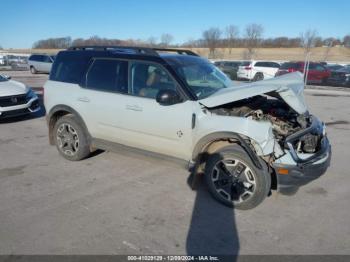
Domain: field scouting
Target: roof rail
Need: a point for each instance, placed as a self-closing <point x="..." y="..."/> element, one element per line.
<point x="126" y="49"/>
<point x="135" y="49"/>
<point x="179" y="51"/>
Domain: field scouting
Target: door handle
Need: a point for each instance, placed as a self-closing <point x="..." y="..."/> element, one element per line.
<point x="83" y="99"/>
<point x="134" y="108"/>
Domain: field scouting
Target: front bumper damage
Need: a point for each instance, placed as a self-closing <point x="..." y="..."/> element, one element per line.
<point x="294" y="169"/>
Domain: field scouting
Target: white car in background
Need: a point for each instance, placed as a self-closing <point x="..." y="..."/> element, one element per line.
<point x="16" y="98"/>
<point x="40" y="63"/>
<point x="257" y="70"/>
<point x="2" y="60"/>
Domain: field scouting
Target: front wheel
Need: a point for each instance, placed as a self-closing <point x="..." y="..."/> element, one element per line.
<point x="234" y="180"/>
<point x="70" y="138"/>
<point x="33" y="70"/>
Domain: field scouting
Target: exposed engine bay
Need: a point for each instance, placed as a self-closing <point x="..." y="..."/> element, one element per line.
<point x="285" y="121"/>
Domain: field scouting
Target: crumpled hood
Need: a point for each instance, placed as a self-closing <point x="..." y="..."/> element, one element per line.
<point x="11" y="87"/>
<point x="289" y="86"/>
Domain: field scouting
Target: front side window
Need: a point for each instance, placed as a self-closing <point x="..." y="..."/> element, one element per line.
<point x="108" y="75"/>
<point x="148" y="79"/>
<point x="46" y="59"/>
<point x="319" y="68"/>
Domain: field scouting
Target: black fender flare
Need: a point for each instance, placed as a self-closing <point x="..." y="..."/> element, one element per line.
<point x="208" y="139"/>
<point x="51" y="119"/>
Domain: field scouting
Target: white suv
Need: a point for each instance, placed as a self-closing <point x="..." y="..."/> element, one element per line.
<point x="176" y="105"/>
<point x="258" y="70"/>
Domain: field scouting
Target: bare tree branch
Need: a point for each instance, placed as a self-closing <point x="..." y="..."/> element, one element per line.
<point x="253" y="38"/>
<point x="211" y="38"/>
<point x="232" y="33"/>
<point x="166" y="39"/>
<point x="308" y="40"/>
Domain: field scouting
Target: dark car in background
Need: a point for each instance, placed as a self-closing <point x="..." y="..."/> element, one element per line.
<point x="230" y="68"/>
<point x="316" y="74"/>
<point x="334" y="67"/>
<point x="340" y="77"/>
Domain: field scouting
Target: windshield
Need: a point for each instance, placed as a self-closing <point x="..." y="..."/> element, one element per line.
<point x="3" y="78"/>
<point x="202" y="77"/>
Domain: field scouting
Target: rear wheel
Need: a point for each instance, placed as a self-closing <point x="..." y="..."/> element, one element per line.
<point x="33" y="70"/>
<point x="234" y="180"/>
<point x="70" y="138"/>
<point x="258" y="77"/>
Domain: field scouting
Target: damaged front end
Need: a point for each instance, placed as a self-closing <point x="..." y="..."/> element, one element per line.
<point x="302" y="151"/>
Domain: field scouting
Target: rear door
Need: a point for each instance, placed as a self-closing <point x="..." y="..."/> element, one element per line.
<point x="101" y="101"/>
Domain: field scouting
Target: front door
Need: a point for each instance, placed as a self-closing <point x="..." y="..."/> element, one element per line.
<point x="151" y="126"/>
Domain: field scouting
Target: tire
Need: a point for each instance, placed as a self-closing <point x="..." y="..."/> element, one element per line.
<point x="33" y="70"/>
<point x="71" y="139"/>
<point x="250" y="179"/>
<point x="258" y="77"/>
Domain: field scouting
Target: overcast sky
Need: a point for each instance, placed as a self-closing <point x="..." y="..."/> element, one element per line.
<point x="23" y="22"/>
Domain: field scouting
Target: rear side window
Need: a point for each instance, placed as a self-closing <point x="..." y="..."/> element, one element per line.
<point x="261" y="64"/>
<point x="69" y="67"/>
<point x="108" y="75"/>
<point x="273" y="64"/>
<point x="33" y="58"/>
<point x="41" y="58"/>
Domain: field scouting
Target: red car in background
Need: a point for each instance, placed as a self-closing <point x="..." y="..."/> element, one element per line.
<point x="317" y="73"/>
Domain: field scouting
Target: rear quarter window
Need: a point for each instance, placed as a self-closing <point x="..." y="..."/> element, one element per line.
<point x="261" y="64"/>
<point x="69" y="67"/>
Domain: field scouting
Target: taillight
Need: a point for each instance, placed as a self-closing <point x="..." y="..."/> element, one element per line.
<point x="248" y="68"/>
<point x="291" y="70"/>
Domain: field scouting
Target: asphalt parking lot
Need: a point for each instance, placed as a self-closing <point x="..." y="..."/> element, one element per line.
<point x="129" y="204"/>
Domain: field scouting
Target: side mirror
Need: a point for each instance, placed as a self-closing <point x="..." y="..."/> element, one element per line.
<point x="167" y="97"/>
